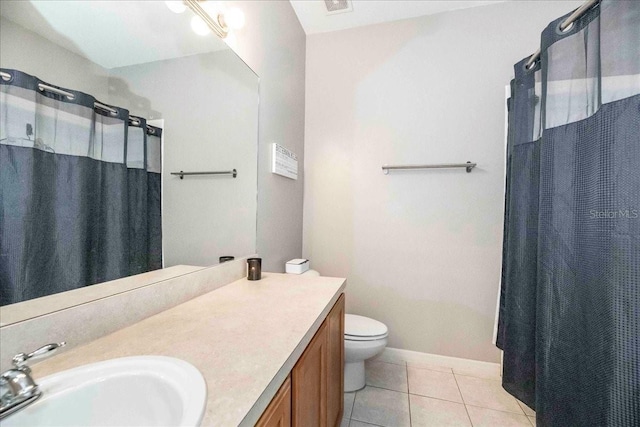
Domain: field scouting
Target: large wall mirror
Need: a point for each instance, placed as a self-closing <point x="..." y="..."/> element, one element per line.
<point x="101" y="101"/>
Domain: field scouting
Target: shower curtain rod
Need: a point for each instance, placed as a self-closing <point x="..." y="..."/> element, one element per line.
<point x="563" y="26"/>
<point x="70" y="96"/>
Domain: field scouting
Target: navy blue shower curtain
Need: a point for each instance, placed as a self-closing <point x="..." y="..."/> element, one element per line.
<point x="79" y="191"/>
<point x="569" y="315"/>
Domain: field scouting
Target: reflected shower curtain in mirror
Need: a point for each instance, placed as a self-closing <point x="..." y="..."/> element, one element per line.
<point x="569" y="314"/>
<point x="79" y="191"/>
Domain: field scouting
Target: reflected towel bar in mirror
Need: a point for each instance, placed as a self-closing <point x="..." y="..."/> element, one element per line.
<point x="469" y="166"/>
<point x="182" y="174"/>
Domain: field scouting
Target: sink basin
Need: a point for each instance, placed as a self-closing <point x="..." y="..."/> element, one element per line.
<point x="131" y="391"/>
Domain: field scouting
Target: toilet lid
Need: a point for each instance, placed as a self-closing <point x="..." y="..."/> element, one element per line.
<point x="363" y="327"/>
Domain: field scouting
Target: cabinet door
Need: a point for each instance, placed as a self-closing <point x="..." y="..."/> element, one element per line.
<point x="335" y="363"/>
<point x="309" y="383"/>
<point x="278" y="413"/>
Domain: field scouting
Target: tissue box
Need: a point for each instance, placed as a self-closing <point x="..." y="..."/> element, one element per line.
<point x="297" y="266"/>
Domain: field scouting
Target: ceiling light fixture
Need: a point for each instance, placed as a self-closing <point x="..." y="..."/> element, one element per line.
<point x="232" y="18"/>
<point x="221" y="23"/>
<point x="199" y="26"/>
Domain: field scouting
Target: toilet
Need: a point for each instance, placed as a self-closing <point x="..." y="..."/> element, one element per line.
<point x="364" y="338"/>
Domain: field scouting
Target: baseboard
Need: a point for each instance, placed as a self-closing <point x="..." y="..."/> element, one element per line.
<point x="458" y="365"/>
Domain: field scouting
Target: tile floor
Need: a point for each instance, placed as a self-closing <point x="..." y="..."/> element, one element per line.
<point x="400" y="394"/>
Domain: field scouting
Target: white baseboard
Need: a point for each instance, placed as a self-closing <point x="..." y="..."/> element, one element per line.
<point x="458" y="365"/>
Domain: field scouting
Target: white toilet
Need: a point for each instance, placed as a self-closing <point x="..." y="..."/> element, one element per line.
<point x="364" y="338"/>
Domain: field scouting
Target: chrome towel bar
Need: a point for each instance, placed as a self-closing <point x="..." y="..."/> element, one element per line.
<point x="469" y="166"/>
<point x="182" y="174"/>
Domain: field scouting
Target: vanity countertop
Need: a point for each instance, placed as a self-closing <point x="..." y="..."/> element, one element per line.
<point x="244" y="337"/>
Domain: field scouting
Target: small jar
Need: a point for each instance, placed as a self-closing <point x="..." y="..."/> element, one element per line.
<point x="254" y="268"/>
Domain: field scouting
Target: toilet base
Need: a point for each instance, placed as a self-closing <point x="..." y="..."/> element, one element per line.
<point x="354" y="376"/>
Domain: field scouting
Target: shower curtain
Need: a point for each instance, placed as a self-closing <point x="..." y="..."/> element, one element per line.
<point x="569" y="314"/>
<point x="79" y="191"/>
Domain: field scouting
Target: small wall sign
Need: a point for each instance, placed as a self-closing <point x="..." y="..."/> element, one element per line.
<point x="284" y="162"/>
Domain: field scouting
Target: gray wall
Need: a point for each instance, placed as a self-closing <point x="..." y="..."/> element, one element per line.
<point x="209" y="103"/>
<point x="273" y="44"/>
<point x="27" y="51"/>
<point x="421" y="250"/>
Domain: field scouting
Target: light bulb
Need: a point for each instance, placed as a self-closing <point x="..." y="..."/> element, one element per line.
<point x="234" y="18"/>
<point x="176" y="6"/>
<point x="199" y="26"/>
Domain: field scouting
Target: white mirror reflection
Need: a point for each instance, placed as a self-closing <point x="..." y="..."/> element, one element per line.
<point x="96" y="116"/>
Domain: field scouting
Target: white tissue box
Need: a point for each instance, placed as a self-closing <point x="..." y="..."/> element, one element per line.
<point x="297" y="266"/>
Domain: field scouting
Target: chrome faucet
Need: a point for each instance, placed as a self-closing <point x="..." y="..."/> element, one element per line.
<point x="17" y="388"/>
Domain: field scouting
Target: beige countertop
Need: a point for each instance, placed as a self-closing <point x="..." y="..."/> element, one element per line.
<point x="244" y="337"/>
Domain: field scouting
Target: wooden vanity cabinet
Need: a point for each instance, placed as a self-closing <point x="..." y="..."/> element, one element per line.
<point x="278" y="413"/>
<point x="317" y="378"/>
<point x="316" y="382"/>
<point x="310" y="380"/>
<point x="335" y="363"/>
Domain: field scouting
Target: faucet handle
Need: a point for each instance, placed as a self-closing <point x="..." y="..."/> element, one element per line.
<point x="20" y="360"/>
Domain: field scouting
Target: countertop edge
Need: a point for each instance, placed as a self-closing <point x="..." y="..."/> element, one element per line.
<point x="269" y="393"/>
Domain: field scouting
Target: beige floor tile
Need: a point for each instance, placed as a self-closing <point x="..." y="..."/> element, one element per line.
<point x="422" y="365"/>
<point x="532" y="420"/>
<point x="345" y="422"/>
<point x="487" y="393"/>
<point x="381" y="407"/>
<point x="389" y="358"/>
<point x="440" y="385"/>
<point x="355" y="423"/>
<point x="427" y="412"/>
<point x="482" y="417"/>
<point x="528" y="411"/>
<point x="386" y="375"/>
<point x="491" y="372"/>
<point x="348" y="404"/>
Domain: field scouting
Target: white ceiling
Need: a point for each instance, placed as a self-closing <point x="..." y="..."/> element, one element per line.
<point x="314" y="19"/>
<point x="112" y="33"/>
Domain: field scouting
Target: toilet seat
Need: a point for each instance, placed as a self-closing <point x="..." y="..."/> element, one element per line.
<point x="360" y="328"/>
<point x="356" y="338"/>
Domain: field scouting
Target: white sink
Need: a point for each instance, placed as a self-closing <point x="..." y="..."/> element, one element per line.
<point x="132" y="391"/>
